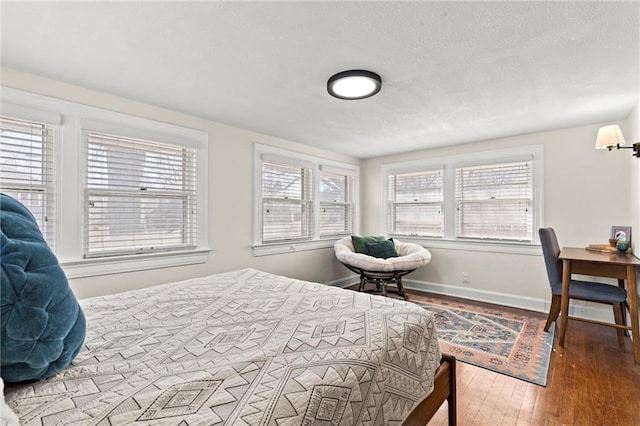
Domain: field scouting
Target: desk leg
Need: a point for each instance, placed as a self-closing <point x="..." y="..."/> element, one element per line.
<point x="632" y="293"/>
<point x="564" y="301"/>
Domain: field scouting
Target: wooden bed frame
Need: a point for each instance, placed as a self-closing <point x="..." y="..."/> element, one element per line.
<point x="444" y="388"/>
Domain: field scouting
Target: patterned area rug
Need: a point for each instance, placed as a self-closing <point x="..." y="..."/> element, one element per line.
<point x="507" y="343"/>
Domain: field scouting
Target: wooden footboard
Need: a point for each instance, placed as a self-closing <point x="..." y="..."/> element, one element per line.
<point x="444" y="388"/>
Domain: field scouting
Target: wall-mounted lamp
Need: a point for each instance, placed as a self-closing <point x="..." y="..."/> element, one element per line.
<point x="610" y="137"/>
<point x="354" y="84"/>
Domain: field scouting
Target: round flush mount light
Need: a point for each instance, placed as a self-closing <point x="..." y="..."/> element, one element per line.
<point x="354" y="84"/>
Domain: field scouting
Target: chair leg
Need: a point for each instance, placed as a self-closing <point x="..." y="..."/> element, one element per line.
<point x="384" y="287"/>
<point x="625" y="306"/>
<point x="554" y="311"/>
<point x="401" y="291"/>
<point x="617" y="315"/>
<point x="363" y="280"/>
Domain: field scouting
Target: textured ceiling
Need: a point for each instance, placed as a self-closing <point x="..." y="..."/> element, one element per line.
<point x="453" y="72"/>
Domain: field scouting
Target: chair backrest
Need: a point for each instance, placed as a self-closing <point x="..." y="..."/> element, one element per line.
<point x="551" y="253"/>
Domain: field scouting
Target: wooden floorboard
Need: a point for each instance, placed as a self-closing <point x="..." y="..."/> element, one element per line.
<point x="590" y="382"/>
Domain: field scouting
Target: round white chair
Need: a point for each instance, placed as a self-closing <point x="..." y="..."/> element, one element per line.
<point x="382" y="272"/>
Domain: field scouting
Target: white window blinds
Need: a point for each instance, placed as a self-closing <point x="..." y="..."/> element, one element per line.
<point x="140" y="196"/>
<point x="416" y="203"/>
<point x="287" y="202"/>
<point x="27" y="169"/>
<point x="336" y="204"/>
<point x="495" y="201"/>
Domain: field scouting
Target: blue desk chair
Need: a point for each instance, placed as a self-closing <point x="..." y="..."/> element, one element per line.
<point x="580" y="290"/>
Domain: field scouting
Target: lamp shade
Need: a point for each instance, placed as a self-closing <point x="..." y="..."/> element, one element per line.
<point x="354" y="84"/>
<point x="609" y="137"/>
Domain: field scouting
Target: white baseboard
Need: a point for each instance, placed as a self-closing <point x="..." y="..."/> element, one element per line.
<point x="592" y="311"/>
<point x="504" y="299"/>
<point x="345" y="282"/>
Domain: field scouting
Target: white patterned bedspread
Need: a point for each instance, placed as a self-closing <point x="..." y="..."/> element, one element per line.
<point x="240" y="348"/>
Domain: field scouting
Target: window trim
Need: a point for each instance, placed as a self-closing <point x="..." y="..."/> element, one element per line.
<point x="269" y="152"/>
<point x="348" y="205"/>
<point x="449" y="164"/>
<point x="51" y="122"/>
<point x="462" y="192"/>
<point x="68" y="185"/>
<point x="393" y="203"/>
<point x="304" y="203"/>
<point x="90" y="136"/>
<point x="132" y="263"/>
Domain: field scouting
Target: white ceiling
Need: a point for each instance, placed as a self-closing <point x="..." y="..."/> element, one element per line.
<point x="453" y="72"/>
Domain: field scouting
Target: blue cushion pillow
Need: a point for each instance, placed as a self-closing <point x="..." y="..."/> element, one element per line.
<point x="382" y="249"/>
<point x="43" y="327"/>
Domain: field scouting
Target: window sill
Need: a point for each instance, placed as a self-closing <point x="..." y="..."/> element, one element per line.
<point x="108" y="265"/>
<point x="290" y="247"/>
<point x="530" y="249"/>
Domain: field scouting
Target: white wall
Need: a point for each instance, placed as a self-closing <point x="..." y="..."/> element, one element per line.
<point x="230" y="228"/>
<point x="586" y="192"/>
<point x="632" y="136"/>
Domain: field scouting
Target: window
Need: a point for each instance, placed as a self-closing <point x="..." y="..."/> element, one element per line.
<point x="337" y="203"/>
<point x="287" y="196"/>
<point x="415" y="203"/>
<point x="27" y="169"/>
<point x="122" y="193"/>
<point x="302" y="202"/>
<point x="140" y="196"/>
<point x="465" y="201"/>
<point x="495" y="202"/>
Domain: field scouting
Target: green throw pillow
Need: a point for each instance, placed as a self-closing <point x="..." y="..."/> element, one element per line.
<point x="359" y="243"/>
<point x="382" y="249"/>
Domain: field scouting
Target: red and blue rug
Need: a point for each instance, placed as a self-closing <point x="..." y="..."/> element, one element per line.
<point x="507" y="343"/>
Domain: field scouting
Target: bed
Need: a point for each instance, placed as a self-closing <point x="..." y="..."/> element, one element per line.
<point x="246" y="348"/>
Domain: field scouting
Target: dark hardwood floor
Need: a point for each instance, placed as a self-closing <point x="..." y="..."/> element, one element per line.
<point x="590" y="382"/>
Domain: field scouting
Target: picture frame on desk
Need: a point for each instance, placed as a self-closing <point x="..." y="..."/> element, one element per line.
<point x="621" y="233"/>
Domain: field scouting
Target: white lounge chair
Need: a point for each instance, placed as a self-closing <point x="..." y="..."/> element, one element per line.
<point x="382" y="272"/>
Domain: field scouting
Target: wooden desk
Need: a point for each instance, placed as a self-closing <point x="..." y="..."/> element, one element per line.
<point x="585" y="262"/>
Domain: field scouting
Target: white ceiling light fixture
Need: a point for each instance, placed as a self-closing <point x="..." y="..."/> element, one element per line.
<point x="354" y="84"/>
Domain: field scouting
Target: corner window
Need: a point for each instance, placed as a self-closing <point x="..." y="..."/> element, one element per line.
<point x="415" y="202"/>
<point x="337" y="202"/>
<point x="302" y="202"/>
<point x="492" y="197"/>
<point x="495" y="201"/>
<point x="287" y="202"/>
